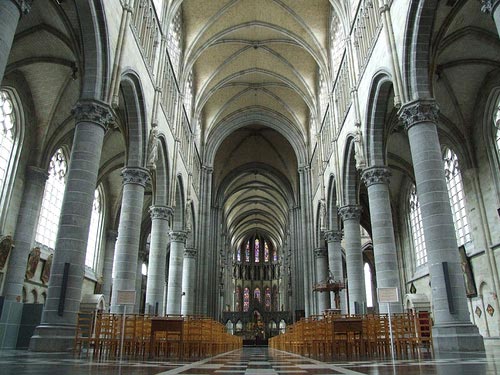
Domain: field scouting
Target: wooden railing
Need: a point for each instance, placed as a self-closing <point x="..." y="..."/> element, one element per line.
<point x="145" y="337"/>
<point x="340" y="336"/>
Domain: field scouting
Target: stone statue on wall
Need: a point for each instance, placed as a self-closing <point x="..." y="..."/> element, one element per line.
<point x="189" y="214"/>
<point x="153" y="142"/>
<point x="322" y="214"/>
<point x="359" y="153"/>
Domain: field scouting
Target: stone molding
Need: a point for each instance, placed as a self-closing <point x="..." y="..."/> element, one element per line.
<point x="178" y="236"/>
<point x="93" y="111"/>
<point x="418" y="111"/>
<point x="36" y="174"/>
<point x="488" y="6"/>
<point x="161" y="212"/>
<point x="350" y="212"/>
<point x="320" y="252"/>
<point x="376" y="175"/>
<point x="23" y="5"/>
<point x="190" y="253"/>
<point x="135" y="175"/>
<point x="333" y="236"/>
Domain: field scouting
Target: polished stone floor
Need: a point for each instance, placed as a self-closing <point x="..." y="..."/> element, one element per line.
<point x="248" y="361"/>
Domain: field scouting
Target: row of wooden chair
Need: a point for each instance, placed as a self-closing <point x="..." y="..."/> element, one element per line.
<point x="344" y="336"/>
<point x="182" y="337"/>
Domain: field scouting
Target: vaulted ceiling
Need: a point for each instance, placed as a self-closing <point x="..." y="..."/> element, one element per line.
<point x="255" y="70"/>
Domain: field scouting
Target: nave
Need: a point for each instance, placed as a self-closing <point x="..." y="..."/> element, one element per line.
<point x="247" y="361"/>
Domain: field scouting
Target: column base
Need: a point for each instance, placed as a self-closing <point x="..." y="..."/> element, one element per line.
<point x="48" y="338"/>
<point x="10" y="321"/>
<point x="457" y="338"/>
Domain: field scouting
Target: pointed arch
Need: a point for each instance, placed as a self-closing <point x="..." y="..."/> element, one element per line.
<point x="133" y="108"/>
<point x="376" y="127"/>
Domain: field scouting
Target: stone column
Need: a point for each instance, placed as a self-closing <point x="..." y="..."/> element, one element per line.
<point x="335" y="265"/>
<point x="376" y="180"/>
<point x="107" y="270"/>
<point x="492" y="7"/>
<point x="321" y="260"/>
<point x="10" y="13"/>
<point x="57" y="329"/>
<point x="129" y="230"/>
<point x="452" y="329"/>
<point x="354" y="258"/>
<point x="24" y="238"/>
<point x="174" y="287"/>
<point x="189" y="281"/>
<point x="138" y="284"/>
<point x="160" y="216"/>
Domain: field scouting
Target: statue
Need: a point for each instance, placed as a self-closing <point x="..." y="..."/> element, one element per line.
<point x="359" y="153"/>
<point x="322" y="215"/>
<point x="189" y="214"/>
<point x="153" y="147"/>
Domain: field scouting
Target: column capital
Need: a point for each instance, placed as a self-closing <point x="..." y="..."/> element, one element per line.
<point x="418" y="111"/>
<point x="350" y="212"/>
<point x="333" y="236"/>
<point x="376" y="175"/>
<point x="320" y="252"/>
<point x="36" y="173"/>
<point x="161" y="212"/>
<point x="178" y="236"/>
<point x="190" y="253"/>
<point x="23" y="5"/>
<point x="135" y="175"/>
<point x="303" y="168"/>
<point x="488" y="6"/>
<point x="95" y="111"/>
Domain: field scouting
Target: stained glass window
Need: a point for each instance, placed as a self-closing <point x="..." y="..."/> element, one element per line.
<point x="275" y="255"/>
<point x="238" y="254"/>
<point x="497" y="126"/>
<point x="246" y="299"/>
<point x="417" y="229"/>
<point x="8" y="125"/>
<point x="257" y="250"/>
<point x="48" y="222"/>
<point x="237" y="299"/>
<point x="457" y="196"/>
<point x="268" y="299"/>
<point x="256" y="294"/>
<point x="266" y="252"/>
<point x="247" y="252"/>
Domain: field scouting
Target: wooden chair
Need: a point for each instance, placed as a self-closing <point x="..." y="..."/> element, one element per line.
<point x="84" y="338"/>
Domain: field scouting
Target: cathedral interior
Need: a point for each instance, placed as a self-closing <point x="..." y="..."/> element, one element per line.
<point x="256" y="162"/>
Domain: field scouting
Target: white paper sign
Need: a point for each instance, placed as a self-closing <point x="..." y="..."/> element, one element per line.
<point x="125" y="297"/>
<point x="386" y="295"/>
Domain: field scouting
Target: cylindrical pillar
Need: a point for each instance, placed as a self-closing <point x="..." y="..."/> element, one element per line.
<point x="129" y="230"/>
<point x="155" y="288"/>
<point x="492" y="7"/>
<point x="321" y="260"/>
<point x="10" y="12"/>
<point x="174" y="287"/>
<point x="138" y="283"/>
<point x="57" y="329"/>
<point x="354" y="258"/>
<point x="335" y="265"/>
<point x="452" y="327"/>
<point x="24" y="237"/>
<point x="189" y="281"/>
<point x="376" y="180"/>
<point x="107" y="270"/>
